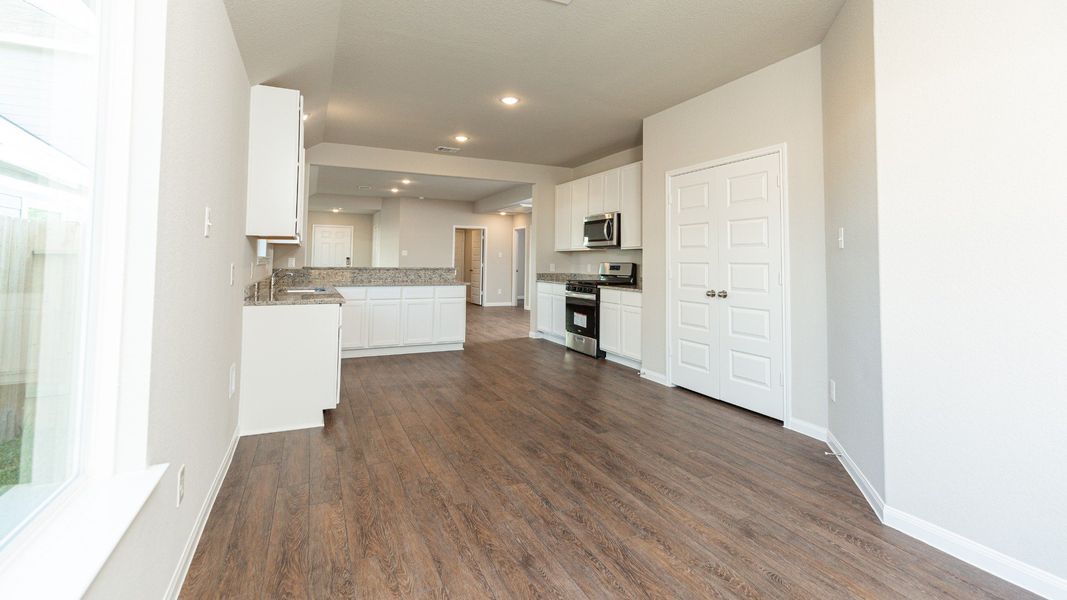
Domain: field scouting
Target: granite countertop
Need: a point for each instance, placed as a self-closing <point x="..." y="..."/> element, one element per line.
<point x="404" y="284"/>
<point x="283" y="298"/>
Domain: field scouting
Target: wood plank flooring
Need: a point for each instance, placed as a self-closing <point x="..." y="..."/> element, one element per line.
<point x="516" y="470"/>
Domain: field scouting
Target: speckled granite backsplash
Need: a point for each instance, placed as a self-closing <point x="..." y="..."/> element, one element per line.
<point x="562" y="277"/>
<point x="341" y="277"/>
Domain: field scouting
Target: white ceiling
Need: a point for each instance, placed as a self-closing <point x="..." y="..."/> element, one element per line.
<point x="346" y="182"/>
<point x="410" y="75"/>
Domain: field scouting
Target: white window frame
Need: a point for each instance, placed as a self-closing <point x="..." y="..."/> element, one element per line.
<point x="80" y="527"/>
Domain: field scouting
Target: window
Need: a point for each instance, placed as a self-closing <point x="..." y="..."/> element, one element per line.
<point x="49" y="62"/>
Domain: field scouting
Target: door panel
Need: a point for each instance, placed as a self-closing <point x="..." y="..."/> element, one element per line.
<point x="726" y="236"/>
<point x="332" y="245"/>
<point x="418" y="321"/>
<point x="477" y="258"/>
<point x="354" y="324"/>
<point x="610" y="327"/>
<point x="383" y="323"/>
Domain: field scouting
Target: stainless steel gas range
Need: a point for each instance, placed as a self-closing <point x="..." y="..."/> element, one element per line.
<point x="583" y="306"/>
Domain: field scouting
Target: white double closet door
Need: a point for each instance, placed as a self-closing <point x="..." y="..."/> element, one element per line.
<point x="726" y="313"/>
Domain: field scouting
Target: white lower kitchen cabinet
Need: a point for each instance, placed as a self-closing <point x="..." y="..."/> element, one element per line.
<point x="403" y="319"/>
<point x="290" y="366"/>
<point x="620" y="325"/>
<point x="551" y="310"/>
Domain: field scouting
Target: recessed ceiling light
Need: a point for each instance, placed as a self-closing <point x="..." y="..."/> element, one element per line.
<point x="422" y="197"/>
<point x="336" y="210"/>
<point x="510" y="100"/>
<point x="502" y="213"/>
<point x="461" y="138"/>
<point x="305" y="116"/>
<point x="363" y="187"/>
<point x="405" y="181"/>
<point x="394" y="190"/>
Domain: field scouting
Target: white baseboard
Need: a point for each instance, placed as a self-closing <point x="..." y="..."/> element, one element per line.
<point x="551" y="337"/>
<point x="1024" y="575"/>
<point x="655" y="377"/>
<point x="182" y="570"/>
<point x="286" y="427"/>
<point x="624" y="361"/>
<point x="535" y="335"/>
<point x="861" y="481"/>
<point x="394" y="350"/>
<point x="809" y="429"/>
<point x="495" y="304"/>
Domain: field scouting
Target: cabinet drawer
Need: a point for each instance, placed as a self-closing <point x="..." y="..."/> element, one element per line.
<point x="353" y="293"/>
<point x="555" y="289"/>
<point x="381" y="293"/>
<point x="452" y="291"/>
<point x="420" y="292"/>
<point x="631" y="298"/>
<point x="610" y="296"/>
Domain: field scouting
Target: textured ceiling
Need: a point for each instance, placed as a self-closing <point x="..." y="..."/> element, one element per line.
<point x="411" y="74"/>
<point x="346" y="182"/>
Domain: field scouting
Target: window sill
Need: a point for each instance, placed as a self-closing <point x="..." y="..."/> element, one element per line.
<point x="77" y="533"/>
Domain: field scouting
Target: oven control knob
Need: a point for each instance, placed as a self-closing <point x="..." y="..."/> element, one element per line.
<point x="710" y="293"/>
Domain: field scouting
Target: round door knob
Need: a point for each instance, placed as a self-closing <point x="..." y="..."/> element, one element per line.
<point x="722" y="293"/>
<point x="710" y="293"/>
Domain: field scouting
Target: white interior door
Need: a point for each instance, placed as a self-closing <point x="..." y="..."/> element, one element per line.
<point x="331" y="245"/>
<point x="726" y="292"/>
<point x="477" y="259"/>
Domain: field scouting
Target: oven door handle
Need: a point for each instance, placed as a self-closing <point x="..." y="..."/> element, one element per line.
<point x="580" y="295"/>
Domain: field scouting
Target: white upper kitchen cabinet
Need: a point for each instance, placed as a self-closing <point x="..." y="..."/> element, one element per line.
<point x="630" y="205"/>
<point x="579" y="211"/>
<point x="563" y="216"/>
<point x="615" y="190"/>
<point x="275" y="164"/>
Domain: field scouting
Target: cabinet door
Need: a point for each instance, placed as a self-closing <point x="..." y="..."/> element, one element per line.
<point x="354" y="324"/>
<point x="544" y="311"/>
<point x="596" y="194"/>
<point x="579" y="211"/>
<point x="610" y="338"/>
<point x="630" y="328"/>
<point x="383" y="323"/>
<point x="563" y="217"/>
<point x="418" y="321"/>
<point x="630" y="205"/>
<point x="450" y="321"/>
<point x="275" y="130"/>
<point x="613" y="190"/>
<point x="559" y="315"/>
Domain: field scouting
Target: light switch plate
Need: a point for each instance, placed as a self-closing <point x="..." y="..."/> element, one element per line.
<point x="207" y="221"/>
<point x="233" y="273"/>
<point x="841" y="237"/>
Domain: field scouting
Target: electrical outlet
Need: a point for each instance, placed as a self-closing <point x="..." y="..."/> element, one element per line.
<point x="499" y="291"/>
<point x="233" y="379"/>
<point x="181" y="485"/>
<point x="552" y="267"/>
<point x="833" y="391"/>
<point x="207" y="221"/>
<point x="500" y="255"/>
<point x="403" y="253"/>
<point x="233" y="273"/>
<point x="291" y="263"/>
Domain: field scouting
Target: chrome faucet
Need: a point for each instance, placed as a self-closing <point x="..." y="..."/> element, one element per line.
<point x="273" y="277"/>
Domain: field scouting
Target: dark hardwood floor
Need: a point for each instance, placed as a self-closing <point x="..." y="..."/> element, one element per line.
<point x="514" y="469"/>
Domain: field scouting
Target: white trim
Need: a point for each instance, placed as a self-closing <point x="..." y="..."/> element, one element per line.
<point x="807" y="428"/>
<point x="551" y="337"/>
<point x="351" y="240"/>
<point x="485" y="250"/>
<point x="396" y="350"/>
<point x="787" y="342"/>
<point x="1010" y="569"/>
<point x="182" y="569"/>
<point x="536" y="335"/>
<point x="497" y="304"/>
<point x="515" y="297"/>
<point x="861" y="481"/>
<point x="623" y="360"/>
<point x="655" y="377"/>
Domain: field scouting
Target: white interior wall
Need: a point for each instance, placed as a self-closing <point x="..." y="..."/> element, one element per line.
<point x="779" y="104"/>
<point x="854" y="328"/>
<point x="971" y="214"/>
<point x="197" y="323"/>
<point x="426" y="235"/>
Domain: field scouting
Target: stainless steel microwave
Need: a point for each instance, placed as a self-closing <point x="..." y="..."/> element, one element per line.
<point x="602" y="230"/>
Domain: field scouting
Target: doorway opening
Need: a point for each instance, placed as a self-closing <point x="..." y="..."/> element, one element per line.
<point x="520" y="268"/>
<point x="468" y="258"/>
